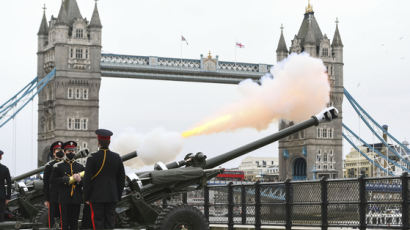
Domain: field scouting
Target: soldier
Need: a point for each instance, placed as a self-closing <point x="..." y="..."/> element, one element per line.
<point x="5" y="194"/>
<point x="50" y="192"/>
<point x="69" y="195"/>
<point x="103" y="182"/>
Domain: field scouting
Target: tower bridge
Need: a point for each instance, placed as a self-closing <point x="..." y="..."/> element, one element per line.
<point x="68" y="106"/>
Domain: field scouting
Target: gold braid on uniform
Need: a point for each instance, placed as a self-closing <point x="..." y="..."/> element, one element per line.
<point x="73" y="185"/>
<point x="102" y="165"/>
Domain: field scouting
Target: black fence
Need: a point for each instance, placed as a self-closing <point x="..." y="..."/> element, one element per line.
<point x="362" y="203"/>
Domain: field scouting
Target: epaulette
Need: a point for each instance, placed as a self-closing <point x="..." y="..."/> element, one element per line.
<point x="92" y="154"/>
<point x="57" y="163"/>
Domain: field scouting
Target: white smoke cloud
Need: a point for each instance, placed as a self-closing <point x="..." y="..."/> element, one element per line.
<point x="298" y="89"/>
<point x="295" y="89"/>
<point x="157" y="145"/>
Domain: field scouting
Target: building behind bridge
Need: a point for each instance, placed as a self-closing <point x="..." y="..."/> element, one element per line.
<point x="260" y="168"/>
<point x="355" y="164"/>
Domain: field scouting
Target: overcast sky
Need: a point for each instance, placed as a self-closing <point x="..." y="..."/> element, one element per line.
<point x="376" y="42"/>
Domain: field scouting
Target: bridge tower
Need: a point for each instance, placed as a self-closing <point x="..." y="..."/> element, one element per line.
<point x="315" y="152"/>
<point x="68" y="105"/>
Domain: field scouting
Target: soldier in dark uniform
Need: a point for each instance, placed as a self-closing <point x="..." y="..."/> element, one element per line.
<point x="69" y="195"/>
<point x="4" y="193"/>
<point x="103" y="182"/>
<point x="50" y="192"/>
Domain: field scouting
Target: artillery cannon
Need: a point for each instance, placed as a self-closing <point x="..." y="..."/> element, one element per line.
<point x="136" y="208"/>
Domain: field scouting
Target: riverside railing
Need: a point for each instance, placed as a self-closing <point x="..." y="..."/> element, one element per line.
<point x="363" y="203"/>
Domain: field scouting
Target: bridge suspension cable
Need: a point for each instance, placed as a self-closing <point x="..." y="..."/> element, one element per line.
<point x="397" y="149"/>
<point x="15" y="104"/>
<point x="365" y="117"/>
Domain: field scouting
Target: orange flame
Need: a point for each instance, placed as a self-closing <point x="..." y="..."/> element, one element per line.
<point x="207" y="126"/>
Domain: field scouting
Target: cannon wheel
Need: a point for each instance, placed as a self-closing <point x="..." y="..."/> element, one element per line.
<point x="42" y="217"/>
<point x="182" y="217"/>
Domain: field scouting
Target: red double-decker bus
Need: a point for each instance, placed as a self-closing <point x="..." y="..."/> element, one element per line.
<point x="231" y="175"/>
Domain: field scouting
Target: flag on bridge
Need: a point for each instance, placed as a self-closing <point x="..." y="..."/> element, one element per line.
<point x="183" y="39"/>
<point x="240" y="45"/>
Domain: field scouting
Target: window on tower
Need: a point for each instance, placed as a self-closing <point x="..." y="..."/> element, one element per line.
<point x="77" y="124"/>
<point x="69" y="123"/>
<point x="325" y="52"/>
<point x="79" y="33"/>
<point x="71" y="53"/>
<point x="70" y="93"/>
<point x="77" y="93"/>
<point x="84" y="124"/>
<point x="85" y="145"/>
<point x="85" y="94"/>
<point x="324" y="133"/>
<point x="86" y="53"/>
<point x="79" y="53"/>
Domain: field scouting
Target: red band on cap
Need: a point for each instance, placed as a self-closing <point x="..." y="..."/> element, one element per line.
<point x="70" y="147"/>
<point x="57" y="146"/>
<point x="106" y="138"/>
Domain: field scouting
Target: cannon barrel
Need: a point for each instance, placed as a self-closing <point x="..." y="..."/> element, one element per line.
<point x="81" y="154"/>
<point x="175" y="164"/>
<point x="28" y="174"/>
<point x="124" y="157"/>
<point x="326" y="115"/>
<point x="129" y="156"/>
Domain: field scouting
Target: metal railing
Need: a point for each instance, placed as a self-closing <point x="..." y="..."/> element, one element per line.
<point x="363" y="203"/>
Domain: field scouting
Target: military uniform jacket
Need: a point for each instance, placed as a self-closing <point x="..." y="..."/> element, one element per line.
<point x="5" y="176"/>
<point x="108" y="185"/>
<point x="67" y="194"/>
<point x="50" y="192"/>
